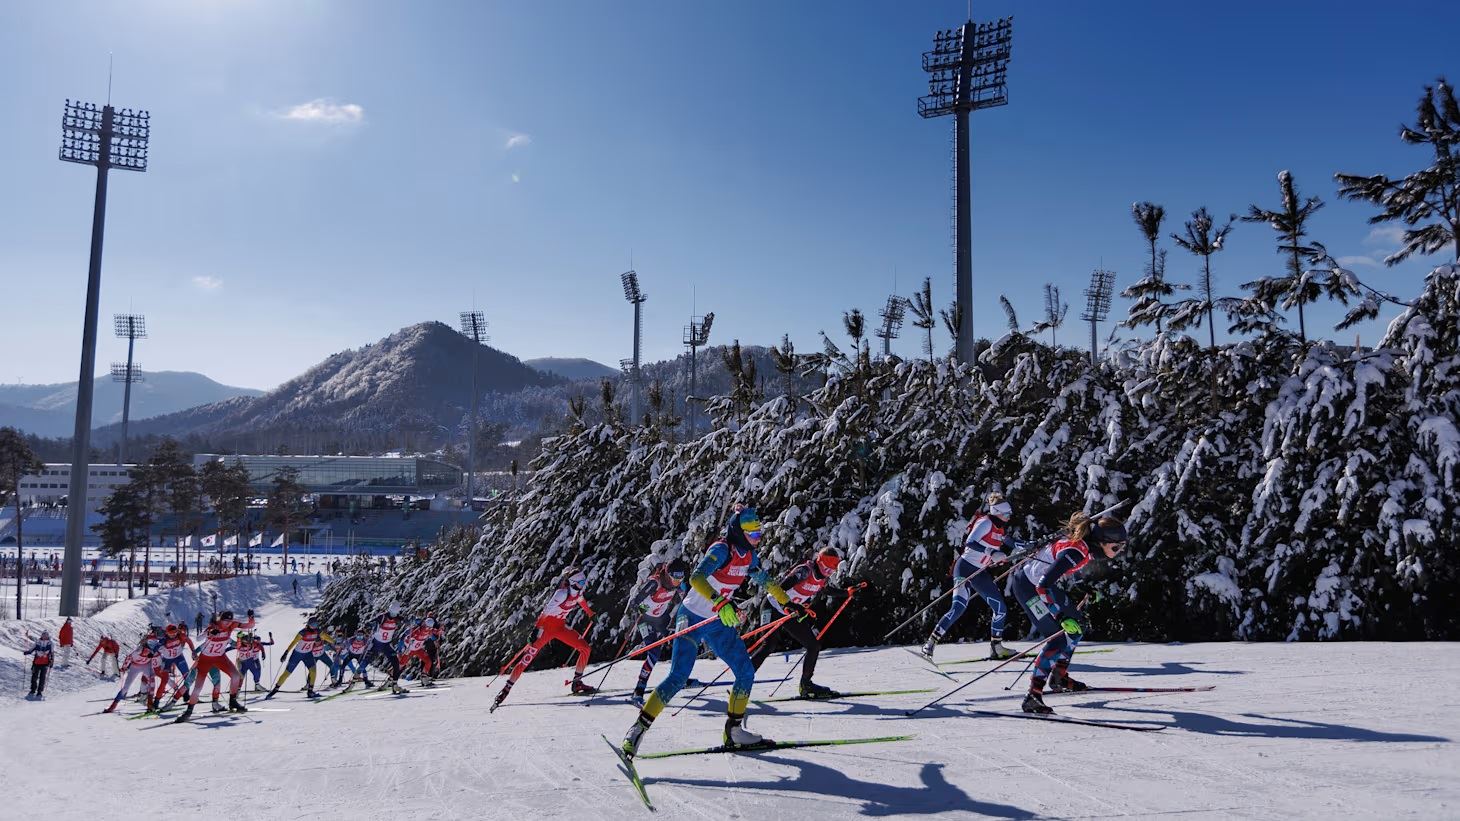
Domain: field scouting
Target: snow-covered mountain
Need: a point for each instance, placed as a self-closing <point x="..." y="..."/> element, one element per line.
<point x="574" y="368"/>
<point x="50" y="410"/>
<point x="416" y="380"/>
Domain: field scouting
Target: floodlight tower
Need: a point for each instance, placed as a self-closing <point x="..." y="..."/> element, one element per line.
<point x="474" y="327"/>
<point x="966" y="71"/>
<point x="107" y="138"/>
<point x="696" y="334"/>
<point x="130" y="327"/>
<point x="1097" y="305"/>
<point x="630" y="279"/>
<point x="892" y="315"/>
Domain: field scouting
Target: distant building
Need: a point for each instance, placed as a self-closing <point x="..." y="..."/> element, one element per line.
<point x="51" y="486"/>
<point x="359" y="482"/>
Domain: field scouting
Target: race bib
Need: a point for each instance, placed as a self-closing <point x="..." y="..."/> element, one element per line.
<point x="1037" y="607"/>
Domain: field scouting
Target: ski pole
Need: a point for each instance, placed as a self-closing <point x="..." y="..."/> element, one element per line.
<point x="850" y="592"/>
<point x="1046" y="537"/>
<point x="771" y="628"/>
<point x="619" y="651"/>
<point x="646" y="648"/>
<point x="1011" y="659"/>
<point x="508" y="665"/>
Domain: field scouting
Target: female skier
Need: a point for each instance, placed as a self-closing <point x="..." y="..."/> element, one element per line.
<point x="656" y="599"/>
<point x="982" y="550"/>
<point x="553" y="625"/>
<point x="803" y="584"/>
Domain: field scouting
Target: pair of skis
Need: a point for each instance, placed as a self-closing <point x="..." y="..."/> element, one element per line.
<point x="633" y="773"/>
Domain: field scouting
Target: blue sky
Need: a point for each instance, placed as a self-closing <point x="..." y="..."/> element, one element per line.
<point x="325" y="173"/>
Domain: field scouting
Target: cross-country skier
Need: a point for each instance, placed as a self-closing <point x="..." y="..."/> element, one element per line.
<point x="382" y="638"/>
<point x="175" y="640"/>
<point x="301" y="651"/>
<point x="728" y="564"/>
<point x="433" y="644"/>
<point x="415" y="648"/>
<point x="552" y="625"/>
<point x="982" y="549"/>
<point x="323" y="655"/>
<point x="144" y="661"/>
<point x="42" y="653"/>
<point x="213" y="655"/>
<point x="1049" y="607"/>
<point x="802" y="584"/>
<point x="251" y="653"/>
<point x="656" y="599"/>
<point x="352" y="655"/>
<point x="109" y="650"/>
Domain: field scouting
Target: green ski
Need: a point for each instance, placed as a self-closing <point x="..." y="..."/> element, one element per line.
<point x="840" y="696"/>
<point x="779" y="745"/>
<point x="633" y="772"/>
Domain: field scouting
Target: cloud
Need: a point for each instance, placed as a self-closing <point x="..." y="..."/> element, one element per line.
<point x="206" y="282"/>
<point x="1360" y="260"/>
<point x="1389" y="235"/>
<point x="324" y="110"/>
<point x="517" y="176"/>
<point x="517" y="141"/>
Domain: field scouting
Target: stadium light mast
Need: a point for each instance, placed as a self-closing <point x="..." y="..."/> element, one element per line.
<point x="474" y="327"/>
<point x="966" y="71"/>
<point x="630" y="279"/>
<point x="696" y="334"/>
<point x="106" y="138"/>
<point x="1097" y="305"/>
<point x="130" y="327"/>
<point x="893" y="314"/>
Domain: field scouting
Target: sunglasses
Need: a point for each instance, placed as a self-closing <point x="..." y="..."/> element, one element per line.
<point x="753" y="535"/>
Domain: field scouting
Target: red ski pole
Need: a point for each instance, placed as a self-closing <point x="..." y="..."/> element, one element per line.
<point x="769" y="630"/>
<point x="646" y="648"/>
<point x="851" y="591"/>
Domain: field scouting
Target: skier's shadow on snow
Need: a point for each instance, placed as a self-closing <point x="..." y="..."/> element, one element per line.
<point x="1273" y="726"/>
<point x="1166" y="668"/>
<point x="935" y="795"/>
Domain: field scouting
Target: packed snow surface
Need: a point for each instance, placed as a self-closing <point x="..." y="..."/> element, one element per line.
<point x="1351" y="730"/>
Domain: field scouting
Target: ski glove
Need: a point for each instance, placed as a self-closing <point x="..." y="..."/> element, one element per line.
<point x="799" y="609"/>
<point x="728" y="615"/>
<point x="1071" y="627"/>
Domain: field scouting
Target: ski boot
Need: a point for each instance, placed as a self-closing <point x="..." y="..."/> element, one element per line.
<point x="311" y="693"/>
<point x="737" y="737"/>
<point x="214" y="706"/>
<point x="395" y="688"/>
<point x="1060" y="681"/>
<point x="812" y="690"/>
<point x="366" y="683"/>
<point x="501" y="697"/>
<point x="272" y="692"/>
<point x="928" y="646"/>
<point x="111" y="709"/>
<point x="234" y="705"/>
<point x="427" y="681"/>
<point x="187" y="714"/>
<point x="998" y="652"/>
<point x="152" y="705"/>
<point x="630" y="746"/>
<point x="1034" y="703"/>
<point x="581" y="689"/>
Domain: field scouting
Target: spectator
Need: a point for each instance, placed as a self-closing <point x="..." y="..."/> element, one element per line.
<point x="318" y="580"/>
<point x="296" y="586"/>
<point x="40" y="663"/>
<point x="109" y="649"/>
<point x="199" y="622"/>
<point x="66" y="635"/>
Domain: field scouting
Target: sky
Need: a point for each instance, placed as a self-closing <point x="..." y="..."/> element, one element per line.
<point x="325" y="173"/>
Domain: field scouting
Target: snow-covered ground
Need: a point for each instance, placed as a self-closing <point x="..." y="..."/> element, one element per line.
<point x="1291" y="731"/>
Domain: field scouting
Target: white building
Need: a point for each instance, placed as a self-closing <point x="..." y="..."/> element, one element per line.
<point x="52" y="485"/>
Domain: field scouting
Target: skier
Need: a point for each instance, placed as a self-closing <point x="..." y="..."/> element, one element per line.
<point x="144" y="661"/>
<point x="380" y="643"/>
<point x="322" y="654"/>
<point x="553" y="624"/>
<point x="727" y="565"/>
<point x="66" y="635"/>
<point x="251" y="654"/>
<point x="175" y="638"/>
<point x="352" y="655"/>
<point x="41" y="653"/>
<point x="982" y="549"/>
<point x="1050" y="608"/>
<point x="656" y="599"/>
<point x="433" y="644"/>
<point x="415" y="648"/>
<point x="109" y="649"/>
<point x="213" y="654"/>
<point x="802" y="584"/>
<point x="301" y="649"/>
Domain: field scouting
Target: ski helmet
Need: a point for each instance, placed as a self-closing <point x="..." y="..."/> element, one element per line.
<point x="750" y="526"/>
<point x="429" y="622"/>
<point x="152" y="643"/>
<point x="312" y="622"/>
<point x="394" y="608"/>
<point x="829" y="559"/>
<point x="45" y="635"/>
<point x="677" y="569"/>
<point x="1108" y="530"/>
<point x="999" y="508"/>
<point x="576" y="578"/>
<point x="226" y="615"/>
<point x="170" y="629"/>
